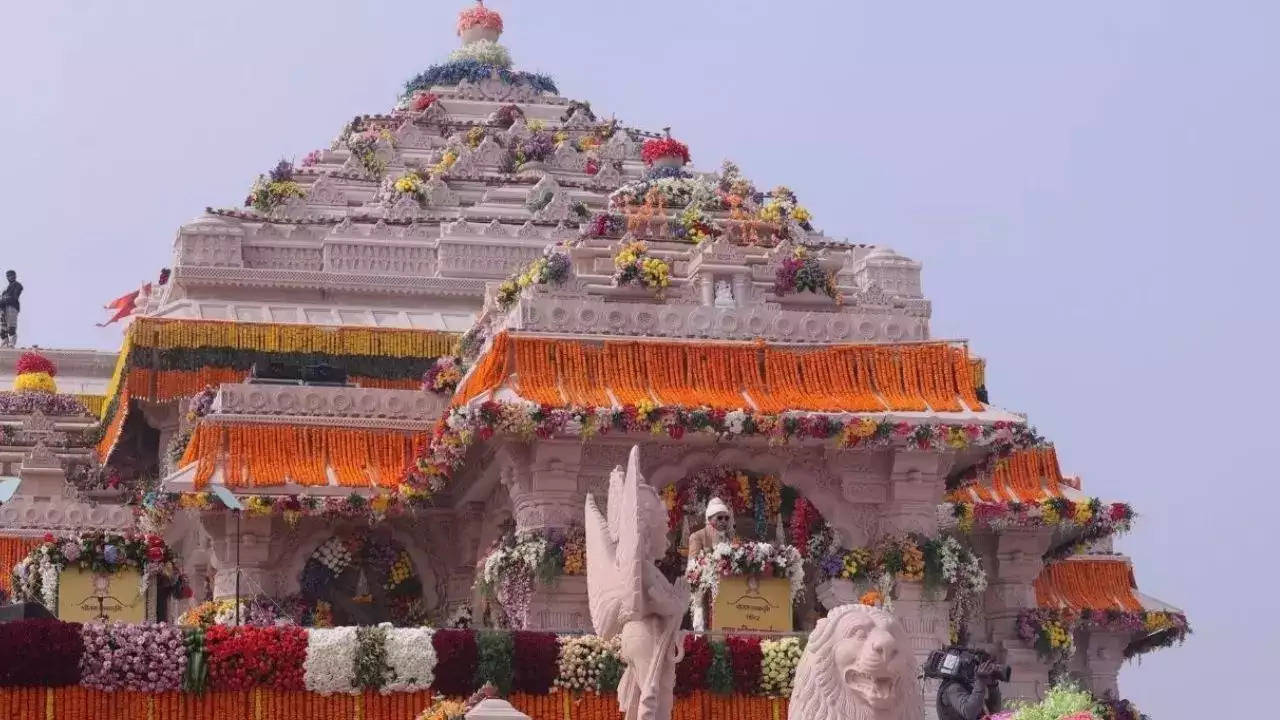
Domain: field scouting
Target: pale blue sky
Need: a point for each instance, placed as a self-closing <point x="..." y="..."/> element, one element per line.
<point x="1092" y="187"/>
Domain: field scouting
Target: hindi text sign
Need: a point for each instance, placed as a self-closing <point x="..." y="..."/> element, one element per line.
<point x="749" y="602"/>
<point x="85" y="596"/>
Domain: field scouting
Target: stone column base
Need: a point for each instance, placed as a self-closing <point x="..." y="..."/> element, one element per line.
<point x="561" y="606"/>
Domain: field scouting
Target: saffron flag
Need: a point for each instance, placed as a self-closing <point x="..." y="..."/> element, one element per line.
<point x="125" y="305"/>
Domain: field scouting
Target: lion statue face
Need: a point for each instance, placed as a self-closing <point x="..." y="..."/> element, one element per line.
<point x="857" y="666"/>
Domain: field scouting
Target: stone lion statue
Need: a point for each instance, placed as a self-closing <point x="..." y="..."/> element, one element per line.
<point x="857" y="666"/>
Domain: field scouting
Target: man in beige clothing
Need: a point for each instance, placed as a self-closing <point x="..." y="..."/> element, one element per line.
<point x="717" y="530"/>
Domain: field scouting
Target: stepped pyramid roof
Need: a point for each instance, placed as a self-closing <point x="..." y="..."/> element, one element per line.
<point x="409" y="213"/>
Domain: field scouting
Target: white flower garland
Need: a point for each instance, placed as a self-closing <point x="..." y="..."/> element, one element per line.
<point x="331" y="660"/>
<point x="582" y="661"/>
<point x="778" y="661"/>
<point x="412" y="658"/>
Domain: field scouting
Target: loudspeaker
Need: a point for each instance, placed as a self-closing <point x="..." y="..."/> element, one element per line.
<point x="24" y="611"/>
<point x="275" y="371"/>
<point x="324" y="375"/>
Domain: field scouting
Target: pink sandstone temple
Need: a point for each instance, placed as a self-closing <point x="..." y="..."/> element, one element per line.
<point x="442" y="330"/>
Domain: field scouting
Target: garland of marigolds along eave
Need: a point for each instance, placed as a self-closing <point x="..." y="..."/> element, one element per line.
<point x="166" y="345"/>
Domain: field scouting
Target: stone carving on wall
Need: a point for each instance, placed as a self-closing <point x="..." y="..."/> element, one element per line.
<point x="629" y="597"/>
<point x="360" y="405"/>
<point x="857" y="666"/>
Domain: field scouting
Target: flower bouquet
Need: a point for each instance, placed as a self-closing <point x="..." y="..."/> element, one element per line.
<point x="634" y="266"/>
<point x="664" y="151"/>
<point x="363" y="142"/>
<point x="803" y="273"/>
<point x="443" y="376"/>
<point x="550" y="269"/>
<point x="410" y="184"/>
<point x="272" y="190"/>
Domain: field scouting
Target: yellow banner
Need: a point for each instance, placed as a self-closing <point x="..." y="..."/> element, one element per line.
<point x="752" y="603"/>
<point x="85" y="596"/>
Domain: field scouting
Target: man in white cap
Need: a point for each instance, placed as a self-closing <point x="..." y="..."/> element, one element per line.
<point x="718" y="529"/>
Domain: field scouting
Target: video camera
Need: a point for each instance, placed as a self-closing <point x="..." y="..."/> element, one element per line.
<point x="961" y="663"/>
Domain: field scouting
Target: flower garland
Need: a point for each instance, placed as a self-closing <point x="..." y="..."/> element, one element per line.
<point x="535" y="661"/>
<point x="457" y="656"/>
<point x="1093" y="518"/>
<point x="159" y="508"/>
<point x="243" y="657"/>
<point x="485" y="52"/>
<point x="146" y="657"/>
<point x="691" y="671"/>
<point x="465" y="424"/>
<point x="259" y="610"/>
<point x="157" y="658"/>
<point x="1051" y="631"/>
<point x="412" y="658"/>
<point x="518" y="560"/>
<point x="778" y="662"/>
<point x="553" y="268"/>
<point x="740" y="558"/>
<point x="26" y="402"/>
<point x="331" y="655"/>
<point x="760" y="496"/>
<point x="745" y="658"/>
<point x="474" y="71"/>
<point x="635" y="266"/>
<point x="40" y="653"/>
<point x="588" y="663"/>
<point x="36" y="577"/>
<point x="273" y="189"/>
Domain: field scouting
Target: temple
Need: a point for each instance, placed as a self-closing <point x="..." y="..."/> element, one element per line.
<point x="409" y="356"/>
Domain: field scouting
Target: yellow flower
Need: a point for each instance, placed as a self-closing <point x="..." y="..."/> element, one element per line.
<point x="380" y="503"/>
<point x="35" y="382"/>
<point x="800" y="214"/>
<point x="1083" y="513"/>
<point x="645" y="407"/>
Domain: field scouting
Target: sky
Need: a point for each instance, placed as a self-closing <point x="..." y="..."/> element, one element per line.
<point x="1092" y="187"/>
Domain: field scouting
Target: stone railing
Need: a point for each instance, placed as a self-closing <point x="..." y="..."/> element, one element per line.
<point x="314" y="405"/>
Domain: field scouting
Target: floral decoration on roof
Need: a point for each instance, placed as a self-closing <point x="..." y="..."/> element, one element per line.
<point x="479" y="16"/>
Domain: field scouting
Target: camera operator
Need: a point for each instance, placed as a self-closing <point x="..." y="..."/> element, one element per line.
<point x="970" y="700"/>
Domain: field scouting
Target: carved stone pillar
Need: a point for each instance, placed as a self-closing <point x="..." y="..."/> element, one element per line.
<point x="254" y="540"/>
<point x="740" y="291"/>
<point x="1013" y="559"/>
<point x="543" y="483"/>
<point x="916" y="484"/>
<point x="707" y="288"/>
<point x="166" y="418"/>
<point x="1101" y="654"/>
